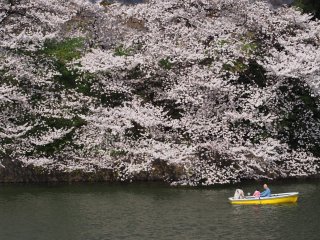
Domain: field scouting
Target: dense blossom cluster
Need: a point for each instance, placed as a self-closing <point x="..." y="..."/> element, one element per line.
<point x="221" y="90"/>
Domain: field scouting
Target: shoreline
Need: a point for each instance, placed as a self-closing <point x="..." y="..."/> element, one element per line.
<point x="13" y="172"/>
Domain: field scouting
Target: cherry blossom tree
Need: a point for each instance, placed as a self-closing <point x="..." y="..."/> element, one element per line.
<point x="218" y="90"/>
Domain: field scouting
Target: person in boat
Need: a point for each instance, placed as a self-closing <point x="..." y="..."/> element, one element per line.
<point x="239" y="194"/>
<point x="266" y="192"/>
<point x="256" y="194"/>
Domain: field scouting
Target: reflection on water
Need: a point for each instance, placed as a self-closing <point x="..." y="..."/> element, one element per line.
<point x="152" y="211"/>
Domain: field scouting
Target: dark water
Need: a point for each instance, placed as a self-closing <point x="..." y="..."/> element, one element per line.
<point x="121" y="1"/>
<point x="152" y="211"/>
<point x="273" y="2"/>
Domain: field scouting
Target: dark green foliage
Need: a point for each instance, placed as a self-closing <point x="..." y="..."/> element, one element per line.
<point x="18" y="115"/>
<point x="84" y="84"/>
<point x="135" y="73"/>
<point x="135" y="132"/>
<point x="58" y="144"/>
<point x="67" y="77"/>
<point x="81" y="82"/>
<point x="251" y="73"/>
<point x="65" y="50"/>
<point x="261" y="135"/>
<point x="57" y="123"/>
<point x="5" y="140"/>
<point x="310" y="103"/>
<point x="113" y="99"/>
<point x="65" y="123"/>
<point x="254" y="73"/>
<point x="183" y="136"/>
<point x="250" y="48"/>
<point x="105" y="3"/>
<point x="309" y="6"/>
<point x="148" y="88"/>
<point x="145" y="93"/>
<point x="206" y="61"/>
<point x="122" y="51"/>
<point x="264" y="109"/>
<point x="245" y="130"/>
<point x="294" y="126"/>
<point x="55" y="146"/>
<point x="173" y="109"/>
<point x="236" y="67"/>
<point x="278" y="47"/>
<point x="118" y="153"/>
<point x="242" y="123"/>
<point x="3" y="154"/>
<point x="300" y="91"/>
<point x="290" y="127"/>
<point x="148" y="91"/>
<point x="84" y="88"/>
<point x="315" y="149"/>
<point x="36" y="98"/>
<point x="165" y="63"/>
<point x="6" y="78"/>
<point x="243" y="127"/>
<point x="222" y="42"/>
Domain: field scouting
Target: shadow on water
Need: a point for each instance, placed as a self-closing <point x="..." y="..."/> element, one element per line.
<point x="152" y="211"/>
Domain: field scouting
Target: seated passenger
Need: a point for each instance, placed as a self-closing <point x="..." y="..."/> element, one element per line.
<point x="266" y="192"/>
<point x="256" y="194"/>
<point x="239" y="194"/>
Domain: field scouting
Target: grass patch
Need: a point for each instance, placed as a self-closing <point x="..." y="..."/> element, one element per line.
<point x="122" y="51"/>
<point x="165" y="63"/>
<point x="64" y="51"/>
<point x="249" y="48"/>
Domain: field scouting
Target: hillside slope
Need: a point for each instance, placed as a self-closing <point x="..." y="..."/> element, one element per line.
<point x="190" y="92"/>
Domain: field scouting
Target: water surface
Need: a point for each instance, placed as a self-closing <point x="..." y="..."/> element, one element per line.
<point x="121" y="1"/>
<point x="152" y="211"/>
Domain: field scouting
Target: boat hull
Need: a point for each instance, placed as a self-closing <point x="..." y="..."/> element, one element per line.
<point x="274" y="199"/>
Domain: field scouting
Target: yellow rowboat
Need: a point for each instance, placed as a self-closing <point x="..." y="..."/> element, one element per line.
<point x="291" y="197"/>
